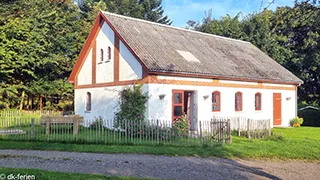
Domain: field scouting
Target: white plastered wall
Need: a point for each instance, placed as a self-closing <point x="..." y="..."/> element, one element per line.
<point x="130" y="68"/>
<point x="85" y="74"/>
<point x="104" y="69"/>
<point x="104" y="103"/>
<point x="162" y="109"/>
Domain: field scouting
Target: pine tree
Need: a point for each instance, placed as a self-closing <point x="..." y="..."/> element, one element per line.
<point x="144" y="9"/>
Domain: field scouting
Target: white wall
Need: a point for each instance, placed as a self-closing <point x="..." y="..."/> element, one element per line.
<point x="85" y="74"/>
<point x="162" y="109"/>
<point x="105" y="39"/>
<point x="104" y="103"/>
<point x="130" y="68"/>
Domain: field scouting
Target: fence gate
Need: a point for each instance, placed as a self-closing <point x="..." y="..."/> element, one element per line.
<point x="220" y="130"/>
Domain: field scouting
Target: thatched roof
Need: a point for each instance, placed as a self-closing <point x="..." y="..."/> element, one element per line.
<point x="165" y="48"/>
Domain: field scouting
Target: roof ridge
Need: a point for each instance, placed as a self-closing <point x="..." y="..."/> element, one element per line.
<point x="173" y="27"/>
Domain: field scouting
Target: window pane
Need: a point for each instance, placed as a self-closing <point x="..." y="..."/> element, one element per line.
<point x="88" y="102"/>
<point x="258" y="101"/>
<point x="109" y="53"/>
<point x="177" y="97"/>
<point x="177" y="111"/>
<point x="216" y="101"/>
<point x="101" y="54"/>
<point x="238" y="102"/>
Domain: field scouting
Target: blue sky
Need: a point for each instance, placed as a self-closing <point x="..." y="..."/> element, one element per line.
<point x="180" y="11"/>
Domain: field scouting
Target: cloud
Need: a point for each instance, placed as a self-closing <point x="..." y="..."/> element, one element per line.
<point x="180" y="11"/>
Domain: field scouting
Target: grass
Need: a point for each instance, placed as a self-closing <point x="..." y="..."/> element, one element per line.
<point x="293" y="143"/>
<point x="42" y="174"/>
<point x="98" y="135"/>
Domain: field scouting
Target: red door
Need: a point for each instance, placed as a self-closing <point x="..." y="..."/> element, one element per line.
<point x="277" y="109"/>
<point x="177" y="103"/>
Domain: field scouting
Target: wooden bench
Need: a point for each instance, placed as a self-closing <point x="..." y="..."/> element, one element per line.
<point x="73" y="120"/>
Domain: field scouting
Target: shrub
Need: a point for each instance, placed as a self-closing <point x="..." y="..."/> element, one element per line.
<point x="132" y="107"/>
<point x="180" y="127"/>
<point x="158" y="133"/>
<point x="296" y="122"/>
<point x="275" y="137"/>
<point x="97" y="123"/>
<point x="311" y="117"/>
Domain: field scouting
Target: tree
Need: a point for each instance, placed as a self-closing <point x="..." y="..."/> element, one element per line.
<point x="301" y="25"/>
<point x="144" y="9"/>
<point x="40" y="42"/>
<point x="152" y="11"/>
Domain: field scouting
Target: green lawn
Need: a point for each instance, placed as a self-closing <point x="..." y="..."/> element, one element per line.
<point x="293" y="143"/>
<point x="41" y="174"/>
<point x="98" y="135"/>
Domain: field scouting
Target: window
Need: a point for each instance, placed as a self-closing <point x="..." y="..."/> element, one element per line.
<point x="101" y="55"/>
<point x="88" y="102"/>
<point x="216" y="101"/>
<point x="109" y="53"/>
<point x="238" y="101"/>
<point x="257" y="101"/>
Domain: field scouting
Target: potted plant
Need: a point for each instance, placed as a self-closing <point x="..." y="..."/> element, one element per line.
<point x="296" y="122"/>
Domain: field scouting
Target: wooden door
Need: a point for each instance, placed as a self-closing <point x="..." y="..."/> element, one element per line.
<point x="277" y="109"/>
<point x="177" y="104"/>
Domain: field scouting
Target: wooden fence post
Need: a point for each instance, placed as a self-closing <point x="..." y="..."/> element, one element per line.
<point x="157" y="131"/>
<point x="269" y="128"/>
<point x="229" y="132"/>
<point x="239" y="127"/>
<point x="48" y="124"/>
<point x="200" y="129"/>
<point x="75" y="126"/>
<point x="32" y="129"/>
<point x="248" y="129"/>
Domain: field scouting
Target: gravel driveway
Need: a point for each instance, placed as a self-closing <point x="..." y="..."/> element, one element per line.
<point x="151" y="166"/>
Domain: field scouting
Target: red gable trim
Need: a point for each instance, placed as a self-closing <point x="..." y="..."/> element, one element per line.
<point x="124" y="41"/>
<point x="84" y="52"/>
<point x="93" y="34"/>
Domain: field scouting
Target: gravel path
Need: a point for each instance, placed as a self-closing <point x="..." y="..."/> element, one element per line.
<point x="151" y="166"/>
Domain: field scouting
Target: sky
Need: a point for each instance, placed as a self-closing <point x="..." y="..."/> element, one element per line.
<point x="180" y="11"/>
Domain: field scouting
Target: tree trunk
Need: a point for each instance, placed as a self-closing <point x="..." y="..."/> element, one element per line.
<point x="32" y="102"/>
<point x="28" y="103"/>
<point x="40" y="102"/>
<point x="22" y="100"/>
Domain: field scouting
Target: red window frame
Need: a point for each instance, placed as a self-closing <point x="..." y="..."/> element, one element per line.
<point x="216" y="100"/>
<point x="177" y="104"/>
<point x="257" y="101"/>
<point x="238" y="101"/>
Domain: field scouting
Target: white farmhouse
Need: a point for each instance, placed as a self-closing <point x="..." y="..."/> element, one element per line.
<point x="183" y="71"/>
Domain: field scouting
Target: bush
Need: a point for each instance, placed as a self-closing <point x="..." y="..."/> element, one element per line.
<point x="97" y="123"/>
<point x="296" y="122"/>
<point x="311" y="117"/>
<point x="275" y="137"/>
<point x="180" y="127"/>
<point x="156" y="132"/>
<point x="132" y="107"/>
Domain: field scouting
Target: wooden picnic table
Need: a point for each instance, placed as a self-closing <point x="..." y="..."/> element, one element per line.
<point x="50" y="120"/>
